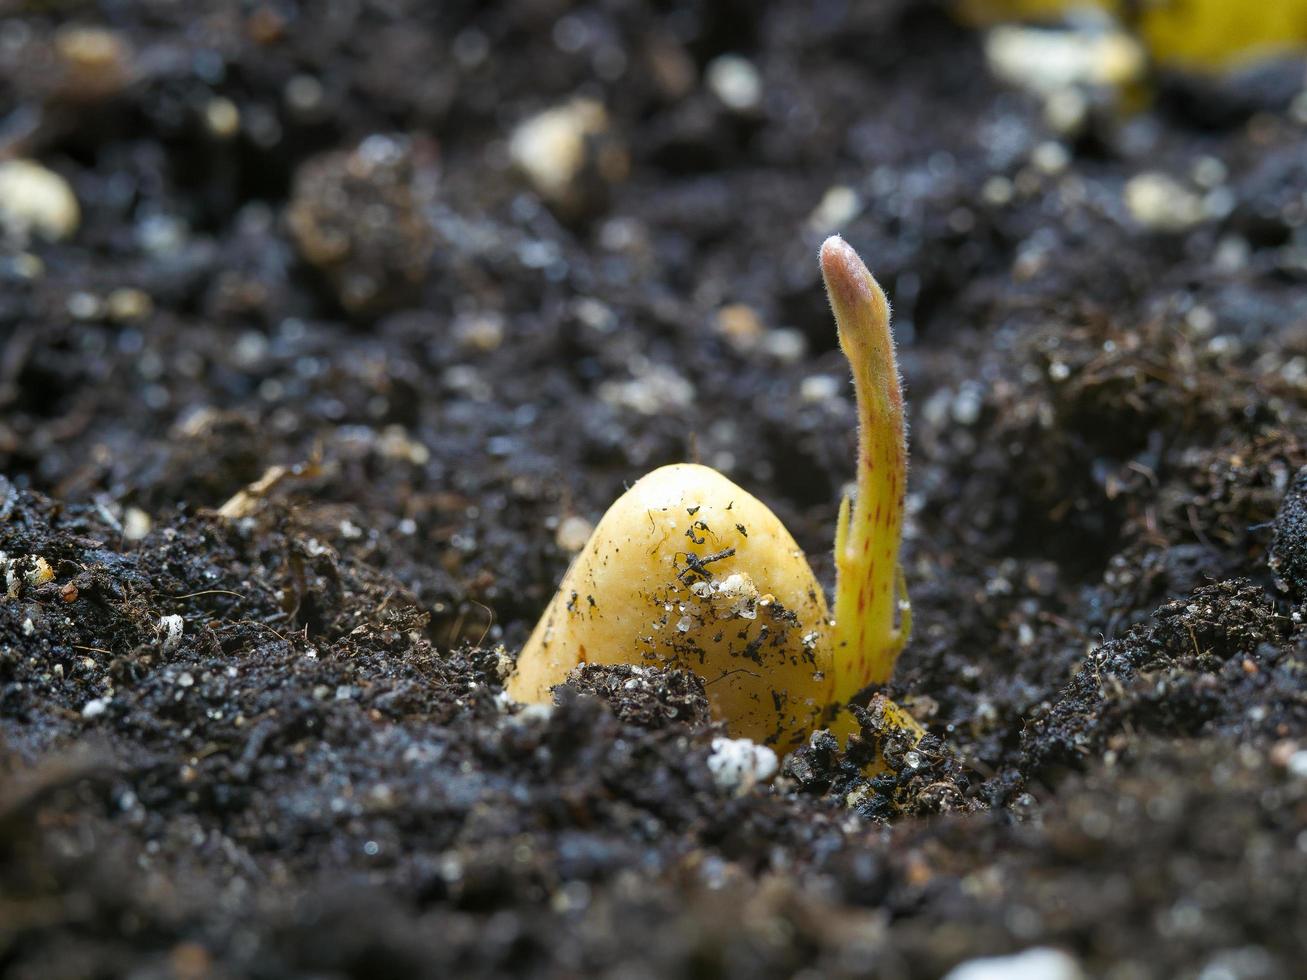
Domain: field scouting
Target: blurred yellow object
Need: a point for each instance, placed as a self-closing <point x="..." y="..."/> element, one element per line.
<point x="1205" y="34"/>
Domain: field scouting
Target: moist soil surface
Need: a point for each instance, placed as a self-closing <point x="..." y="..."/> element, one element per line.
<point x="269" y="739"/>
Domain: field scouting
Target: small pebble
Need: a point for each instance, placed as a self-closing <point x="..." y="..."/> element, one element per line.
<point x="136" y="524"/>
<point x="1066" y="110"/>
<point x="785" y="344"/>
<point x="96" y="63"/>
<point x="1043" y="61"/>
<point x="1159" y="202"/>
<point x="480" y="331"/>
<point x="222" y="118"/>
<point x="170" y="631"/>
<point x="304" y="96"/>
<point x="1050" y="158"/>
<point x="361" y="218"/>
<point x="735" y="81"/>
<point x="35" y="202"/>
<point x="838" y="206"/>
<point x="739" y="325"/>
<point x="39" y="573"/>
<point x="82" y="305"/>
<point x="739" y="763"/>
<point x="1039" y="963"/>
<point x="657" y="390"/>
<point x="997" y="191"/>
<point x="572" y="534"/>
<point x="553" y="149"/>
<point x="967" y="404"/>
<point x="125" y="305"/>
<point x="819" y="388"/>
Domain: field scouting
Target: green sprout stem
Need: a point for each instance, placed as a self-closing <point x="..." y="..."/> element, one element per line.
<point x="872" y="614"/>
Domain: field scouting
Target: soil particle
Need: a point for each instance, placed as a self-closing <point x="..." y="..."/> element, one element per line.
<point x="360" y="219"/>
<point x="882" y="774"/>
<point x="647" y="697"/>
<point x="1224" y="660"/>
<point x="1289" y="549"/>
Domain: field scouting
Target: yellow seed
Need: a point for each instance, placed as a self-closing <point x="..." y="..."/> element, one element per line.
<point x="677" y="574"/>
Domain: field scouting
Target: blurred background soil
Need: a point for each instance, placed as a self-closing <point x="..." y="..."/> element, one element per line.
<point x="465" y="270"/>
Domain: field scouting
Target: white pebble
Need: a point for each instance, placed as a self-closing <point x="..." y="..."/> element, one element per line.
<point x="95" y="708"/>
<point x="1209" y="172"/>
<point x="170" y="631"/>
<point x="1298" y="108"/>
<point x="818" y="388"/>
<point x="1050" y="157"/>
<point x="534" y="714"/>
<point x="735" y="81"/>
<point x="739" y="763"/>
<point x="136" y="524"/>
<point x="1066" y="110"/>
<point x="222" y="118"/>
<point x="1044" y="61"/>
<point x="656" y="390"/>
<point x="1039" y="963"/>
<point x="550" y="147"/>
<point x="1297" y="764"/>
<point x="839" y="205"/>
<point x="997" y="191"/>
<point x="35" y="201"/>
<point x="1161" y="203"/>
<point x="967" y="404"/>
<point x="572" y="534"/>
<point x="785" y="344"/>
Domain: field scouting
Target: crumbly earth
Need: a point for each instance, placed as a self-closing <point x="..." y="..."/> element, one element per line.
<point x="270" y="740"/>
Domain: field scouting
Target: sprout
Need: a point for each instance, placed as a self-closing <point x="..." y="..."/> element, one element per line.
<point x="688" y="570"/>
<point x="872" y="614"/>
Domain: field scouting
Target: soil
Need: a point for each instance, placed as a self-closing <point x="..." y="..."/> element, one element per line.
<point x="302" y="244"/>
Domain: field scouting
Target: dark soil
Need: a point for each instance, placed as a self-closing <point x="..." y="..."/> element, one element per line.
<point x="317" y="776"/>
